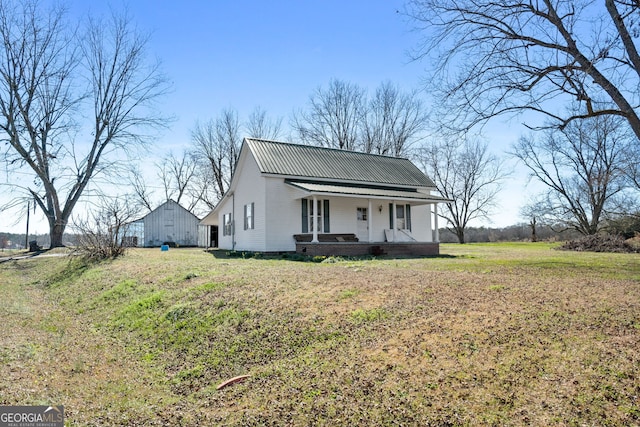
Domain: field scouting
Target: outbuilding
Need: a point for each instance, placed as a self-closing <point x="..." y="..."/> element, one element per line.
<point x="169" y="223"/>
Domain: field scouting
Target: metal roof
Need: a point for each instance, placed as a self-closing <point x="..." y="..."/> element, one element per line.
<point x="305" y="161"/>
<point x="365" y="191"/>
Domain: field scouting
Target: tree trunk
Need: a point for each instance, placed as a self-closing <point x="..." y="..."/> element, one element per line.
<point x="534" y="236"/>
<point x="460" y="234"/>
<point x="56" y="231"/>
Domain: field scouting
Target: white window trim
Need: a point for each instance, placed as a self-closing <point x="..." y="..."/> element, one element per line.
<point x="311" y="211"/>
<point x="249" y="216"/>
<point x="227" y="225"/>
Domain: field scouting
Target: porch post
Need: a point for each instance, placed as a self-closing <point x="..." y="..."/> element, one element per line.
<point x="314" y="220"/>
<point x="395" y="220"/>
<point x="370" y="221"/>
<point x="435" y="222"/>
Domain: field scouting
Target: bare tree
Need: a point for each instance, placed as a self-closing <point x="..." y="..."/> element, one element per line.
<point x="333" y="117"/>
<point x="141" y="191"/>
<point x="52" y="77"/>
<point x="216" y="146"/>
<point x="177" y="175"/>
<point x="496" y="57"/>
<point x="581" y="168"/>
<point x="464" y="171"/>
<point x="533" y="212"/>
<point x="104" y="233"/>
<point x="260" y="126"/>
<point x="392" y="122"/>
<point x="631" y="166"/>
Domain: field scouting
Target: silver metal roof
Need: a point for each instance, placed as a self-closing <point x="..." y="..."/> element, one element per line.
<point x="305" y="161"/>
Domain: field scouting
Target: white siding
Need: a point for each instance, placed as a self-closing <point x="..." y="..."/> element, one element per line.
<point x="380" y="219"/>
<point x="170" y="223"/>
<point x="283" y="215"/>
<point x="421" y="223"/>
<point x="224" y="207"/>
<point x="250" y="188"/>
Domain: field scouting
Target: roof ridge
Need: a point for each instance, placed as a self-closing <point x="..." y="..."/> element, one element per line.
<point x="320" y="147"/>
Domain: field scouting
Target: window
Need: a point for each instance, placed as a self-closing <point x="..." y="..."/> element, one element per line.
<point x="403" y="216"/>
<point x="248" y="216"/>
<point x="226" y="224"/>
<point x="362" y="214"/>
<point x="322" y="209"/>
<point x="312" y="212"/>
<point x="400" y="223"/>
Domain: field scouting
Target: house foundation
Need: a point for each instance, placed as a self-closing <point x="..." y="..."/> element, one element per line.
<point x="365" y="248"/>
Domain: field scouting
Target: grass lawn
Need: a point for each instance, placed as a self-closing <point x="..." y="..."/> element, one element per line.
<point x="486" y="334"/>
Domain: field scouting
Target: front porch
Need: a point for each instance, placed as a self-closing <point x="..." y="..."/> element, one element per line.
<point x="339" y="245"/>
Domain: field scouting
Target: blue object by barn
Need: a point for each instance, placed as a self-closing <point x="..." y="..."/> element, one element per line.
<point x="164" y="248"/>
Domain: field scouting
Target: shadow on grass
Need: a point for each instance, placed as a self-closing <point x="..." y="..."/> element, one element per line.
<point x="72" y="270"/>
<point x="293" y="256"/>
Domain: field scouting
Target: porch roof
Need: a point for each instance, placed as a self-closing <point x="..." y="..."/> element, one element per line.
<point x="362" y="191"/>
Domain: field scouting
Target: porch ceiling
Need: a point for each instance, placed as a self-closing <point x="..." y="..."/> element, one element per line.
<point x="372" y="192"/>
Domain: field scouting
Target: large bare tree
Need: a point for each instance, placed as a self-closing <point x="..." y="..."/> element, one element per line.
<point x="393" y="121"/>
<point x="178" y="175"/>
<point x="72" y="101"/>
<point x="259" y="125"/>
<point x="332" y="117"/>
<point x="466" y="172"/>
<point x="216" y="146"/>
<point x="494" y="57"/>
<point x="582" y="169"/>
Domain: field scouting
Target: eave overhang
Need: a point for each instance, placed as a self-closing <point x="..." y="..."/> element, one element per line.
<point x="365" y="191"/>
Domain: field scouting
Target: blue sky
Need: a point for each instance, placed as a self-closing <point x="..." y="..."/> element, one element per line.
<point x="242" y="54"/>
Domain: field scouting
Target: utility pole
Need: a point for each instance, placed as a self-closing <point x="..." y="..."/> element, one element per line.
<point x="26" y="237"/>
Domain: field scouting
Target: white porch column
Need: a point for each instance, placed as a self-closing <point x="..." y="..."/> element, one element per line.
<point x="395" y="220"/>
<point x="370" y="221"/>
<point x="435" y="222"/>
<point x="314" y="220"/>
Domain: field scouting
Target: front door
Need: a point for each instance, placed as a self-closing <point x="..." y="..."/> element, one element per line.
<point x="362" y="225"/>
<point x="400" y="218"/>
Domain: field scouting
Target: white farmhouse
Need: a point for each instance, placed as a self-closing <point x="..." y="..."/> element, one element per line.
<point x="286" y="197"/>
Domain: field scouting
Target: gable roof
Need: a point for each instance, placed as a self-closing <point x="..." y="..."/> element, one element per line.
<point x="169" y="202"/>
<point x="294" y="160"/>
